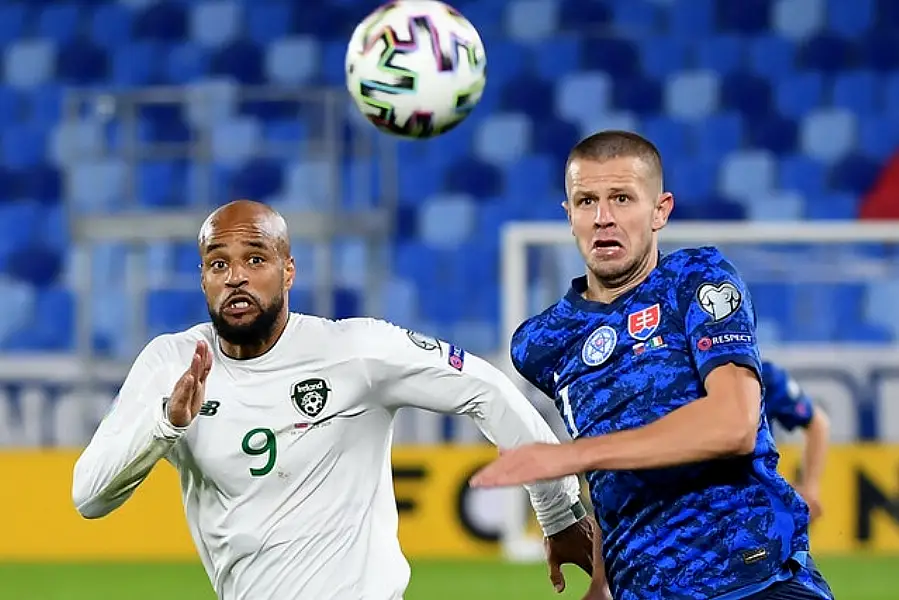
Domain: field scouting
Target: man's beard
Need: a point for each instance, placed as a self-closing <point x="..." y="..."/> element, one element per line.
<point x="253" y="333"/>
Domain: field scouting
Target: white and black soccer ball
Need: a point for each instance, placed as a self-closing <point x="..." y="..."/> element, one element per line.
<point x="416" y="68"/>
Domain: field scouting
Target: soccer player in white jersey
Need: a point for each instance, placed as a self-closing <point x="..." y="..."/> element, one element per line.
<point x="280" y="426"/>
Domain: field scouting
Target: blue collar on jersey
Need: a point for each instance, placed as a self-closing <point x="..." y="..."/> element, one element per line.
<point x="579" y="286"/>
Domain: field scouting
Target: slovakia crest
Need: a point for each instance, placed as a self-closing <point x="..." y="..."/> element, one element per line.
<point x="599" y="346"/>
<point x="643" y="323"/>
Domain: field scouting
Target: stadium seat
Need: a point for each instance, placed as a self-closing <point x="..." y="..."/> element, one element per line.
<point x="745" y="174"/>
<point x="798" y="19"/>
<point x="583" y="95"/>
<point x="446" y="221"/>
<point x="28" y="63"/>
<point x="503" y="138"/>
<point x="828" y="134"/>
<point x="292" y="61"/>
<point x="531" y="20"/>
<point x="692" y="95"/>
<point x="215" y="23"/>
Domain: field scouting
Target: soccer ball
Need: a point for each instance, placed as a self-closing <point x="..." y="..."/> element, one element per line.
<point x="415" y="68"/>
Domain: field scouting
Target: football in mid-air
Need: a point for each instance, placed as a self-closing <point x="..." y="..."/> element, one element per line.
<point x="416" y="68"/>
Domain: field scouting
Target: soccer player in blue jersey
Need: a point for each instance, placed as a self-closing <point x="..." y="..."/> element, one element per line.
<point x="787" y="404"/>
<point x="653" y="363"/>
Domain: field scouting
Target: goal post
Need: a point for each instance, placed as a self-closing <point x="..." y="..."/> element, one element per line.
<point x="825" y="292"/>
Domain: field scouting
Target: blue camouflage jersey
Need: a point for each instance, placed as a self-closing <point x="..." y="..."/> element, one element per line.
<point x="719" y="529"/>
<point x="785" y="402"/>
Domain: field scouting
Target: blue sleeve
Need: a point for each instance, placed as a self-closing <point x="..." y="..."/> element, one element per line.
<point x="785" y="402"/>
<point x="526" y="357"/>
<point x="719" y="318"/>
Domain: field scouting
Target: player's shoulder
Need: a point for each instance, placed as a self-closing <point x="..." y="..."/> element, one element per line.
<point x="535" y="327"/>
<point x="701" y="259"/>
<point x="178" y="346"/>
<point x="369" y="336"/>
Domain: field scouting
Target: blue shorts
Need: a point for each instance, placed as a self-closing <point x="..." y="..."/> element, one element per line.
<point x="807" y="583"/>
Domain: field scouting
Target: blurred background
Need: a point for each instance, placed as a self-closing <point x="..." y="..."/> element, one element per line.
<point x="125" y="122"/>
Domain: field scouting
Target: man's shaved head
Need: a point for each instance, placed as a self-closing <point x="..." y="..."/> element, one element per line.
<point x="247" y="214"/>
<point x="247" y="273"/>
<point x="610" y="144"/>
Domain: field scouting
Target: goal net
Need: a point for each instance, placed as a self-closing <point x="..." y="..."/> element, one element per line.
<point x="827" y="299"/>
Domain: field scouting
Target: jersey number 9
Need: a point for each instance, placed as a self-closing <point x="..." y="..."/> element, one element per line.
<point x="252" y="447"/>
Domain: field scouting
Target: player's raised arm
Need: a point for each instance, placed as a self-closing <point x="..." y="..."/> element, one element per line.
<point x="410" y="369"/>
<point x="139" y="429"/>
<point x="788" y="404"/>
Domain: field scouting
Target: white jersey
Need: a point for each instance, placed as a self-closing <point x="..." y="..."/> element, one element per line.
<point x="286" y="472"/>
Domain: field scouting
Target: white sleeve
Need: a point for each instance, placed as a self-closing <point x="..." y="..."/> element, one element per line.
<point x="130" y="440"/>
<point x="409" y="369"/>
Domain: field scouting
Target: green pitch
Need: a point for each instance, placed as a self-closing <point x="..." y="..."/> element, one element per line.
<point x="853" y="578"/>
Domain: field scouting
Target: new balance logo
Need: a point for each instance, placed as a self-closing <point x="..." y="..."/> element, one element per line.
<point x="209" y="408"/>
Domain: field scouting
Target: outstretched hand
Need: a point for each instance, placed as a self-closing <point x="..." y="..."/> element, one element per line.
<point x="190" y="390"/>
<point x="530" y="464"/>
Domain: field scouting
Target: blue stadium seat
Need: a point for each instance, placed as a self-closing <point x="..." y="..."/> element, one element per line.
<point x="798" y="19"/>
<point x="828" y="134"/>
<point x="399" y="299"/>
<point x="584" y="94"/>
<point x="531" y="20"/>
<point x="20" y="301"/>
<point x="692" y="95"/>
<point x="502" y="138"/>
<point x="236" y="140"/>
<point x="214" y="24"/>
<point x="447" y="221"/>
<point x="75" y="140"/>
<point x="292" y="61"/>
<point x="97" y="185"/>
<point x="28" y="63"/>
<point x="746" y="174"/>
<point x="776" y="206"/>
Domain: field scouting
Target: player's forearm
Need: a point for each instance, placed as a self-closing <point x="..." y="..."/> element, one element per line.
<point x="817" y="437"/>
<point x="705" y="429"/>
<point x="116" y="462"/>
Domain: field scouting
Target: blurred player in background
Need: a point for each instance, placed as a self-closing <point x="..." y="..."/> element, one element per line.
<point x="787" y="404"/>
<point x="652" y="361"/>
<point x="281" y="428"/>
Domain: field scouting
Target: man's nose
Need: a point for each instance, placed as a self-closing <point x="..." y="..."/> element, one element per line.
<point x="604" y="216"/>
